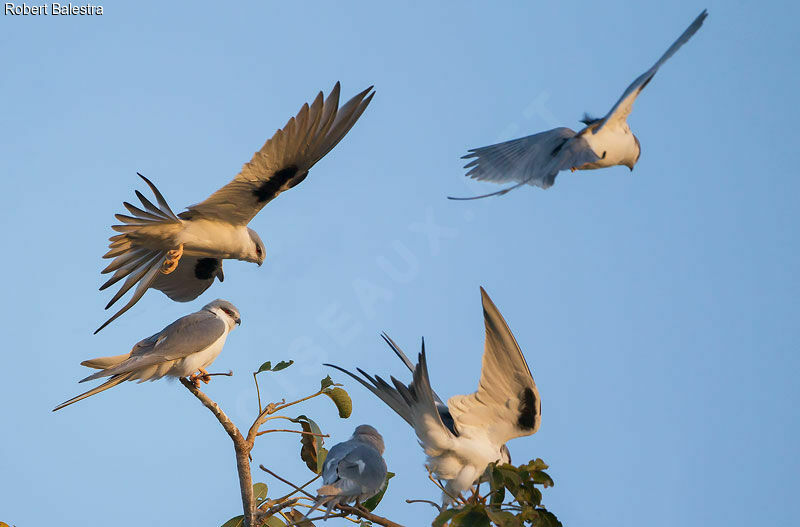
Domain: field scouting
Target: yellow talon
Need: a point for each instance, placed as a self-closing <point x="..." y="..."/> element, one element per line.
<point x="195" y="378"/>
<point x="573" y="169"/>
<point x="172" y="259"/>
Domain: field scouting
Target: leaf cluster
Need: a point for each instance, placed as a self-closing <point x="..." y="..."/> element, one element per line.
<point x="514" y="500"/>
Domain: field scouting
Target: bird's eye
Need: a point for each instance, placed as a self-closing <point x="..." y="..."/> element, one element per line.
<point x="228" y="311"/>
<point x="258" y="250"/>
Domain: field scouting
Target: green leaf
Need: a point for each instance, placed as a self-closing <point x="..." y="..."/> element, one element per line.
<point x="310" y="444"/>
<point x="471" y="516"/>
<point x="503" y="518"/>
<point x="295" y="516"/>
<point x="274" y="521"/>
<point x="282" y="365"/>
<point x="444" y="517"/>
<point x="498" y="489"/>
<point x="535" y="464"/>
<point x="326" y="382"/>
<point x="373" y="502"/>
<point x="547" y="519"/>
<point x="236" y="521"/>
<point x="540" y="477"/>
<point x="342" y="401"/>
<point x="267" y="366"/>
<point x="322" y="455"/>
<point x="259" y="492"/>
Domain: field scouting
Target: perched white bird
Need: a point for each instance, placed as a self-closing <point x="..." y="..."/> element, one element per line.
<point x="461" y="438"/>
<point x="354" y="470"/>
<point x="188" y="345"/>
<point x="182" y="254"/>
<point x="606" y="142"/>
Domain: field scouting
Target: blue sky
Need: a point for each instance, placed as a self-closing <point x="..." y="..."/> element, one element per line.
<point x="657" y="309"/>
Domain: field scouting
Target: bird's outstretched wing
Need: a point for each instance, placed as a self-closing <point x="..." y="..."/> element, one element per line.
<point x="507" y="403"/>
<point x="138" y="265"/>
<point x="533" y="160"/>
<point x="285" y="159"/>
<point x="191" y="279"/>
<point x="620" y="112"/>
<point x="415" y="403"/>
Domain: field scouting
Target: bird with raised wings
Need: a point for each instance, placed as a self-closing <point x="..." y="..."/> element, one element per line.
<point x="181" y="255"/>
<point x="185" y="348"/>
<point x="461" y="438"/>
<point x="605" y="142"/>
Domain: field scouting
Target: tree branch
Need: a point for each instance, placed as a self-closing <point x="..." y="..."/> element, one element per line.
<point x="347" y="509"/>
<point x="240" y="445"/>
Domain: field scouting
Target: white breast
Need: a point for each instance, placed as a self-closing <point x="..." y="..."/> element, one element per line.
<point x="202" y="359"/>
<point x="612" y="144"/>
<point x="217" y="239"/>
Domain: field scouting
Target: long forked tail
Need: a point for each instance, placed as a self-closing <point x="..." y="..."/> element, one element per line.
<point x="133" y="262"/>
<point x="113" y="381"/>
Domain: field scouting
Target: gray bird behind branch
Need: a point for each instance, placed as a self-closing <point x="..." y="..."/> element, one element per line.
<point x="188" y="345"/>
<point x="605" y="142"/>
<point x="461" y="438"/>
<point x="354" y="470"/>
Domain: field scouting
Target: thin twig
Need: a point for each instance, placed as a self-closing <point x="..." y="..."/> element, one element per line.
<point x="228" y="374"/>
<point x="304" y="485"/>
<point x="293" y="431"/>
<point x="272" y="511"/>
<point x="456" y="500"/>
<point x="365" y="514"/>
<point x="438" y="507"/>
<point x="258" y="393"/>
<point x="295" y="487"/>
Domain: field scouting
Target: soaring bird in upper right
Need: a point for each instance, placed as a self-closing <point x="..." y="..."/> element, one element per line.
<point x="537" y="159"/>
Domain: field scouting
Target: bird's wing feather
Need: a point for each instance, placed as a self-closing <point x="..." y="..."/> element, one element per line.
<point x="533" y="160"/>
<point x="364" y="466"/>
<point x="622" y="109"/>
<point x="520" y="160"/>
<point x="193" y="276"/>
<point x="285" y="159"/>
<point x="415" y="403"/>
<point x="507" y="403"/>
<point x="138" y="265"/>
<point x="187" y="335"/>
<point x="335" y="455"/>
<point x="113" y="381"/>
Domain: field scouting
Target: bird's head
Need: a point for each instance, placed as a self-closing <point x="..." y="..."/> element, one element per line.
<point x="636" y="154"/>
<point x="257" y="251"/>
<point x="225" y="310"/>
<point x="368" y="434"/>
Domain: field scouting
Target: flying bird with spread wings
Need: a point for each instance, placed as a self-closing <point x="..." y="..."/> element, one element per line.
<point x="604" y="142"/>
<point x="181" y="255"/>
<point x="462" y="437"/>
<point x="183" y="349"/>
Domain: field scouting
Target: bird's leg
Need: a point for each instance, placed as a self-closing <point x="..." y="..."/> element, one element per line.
<point x="172" y="259"/>
<point x="195" y="378"/>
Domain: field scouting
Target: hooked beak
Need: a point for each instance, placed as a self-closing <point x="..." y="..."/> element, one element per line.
<point x="238" y="321"/>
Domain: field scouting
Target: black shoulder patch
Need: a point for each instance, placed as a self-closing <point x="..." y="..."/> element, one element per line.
<point x="527" y="409"/>
<point x="206" y="268"/>
<point x="270" y="188"/>
<point x="557" y="149"/>
<point x="447" y="418"/>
